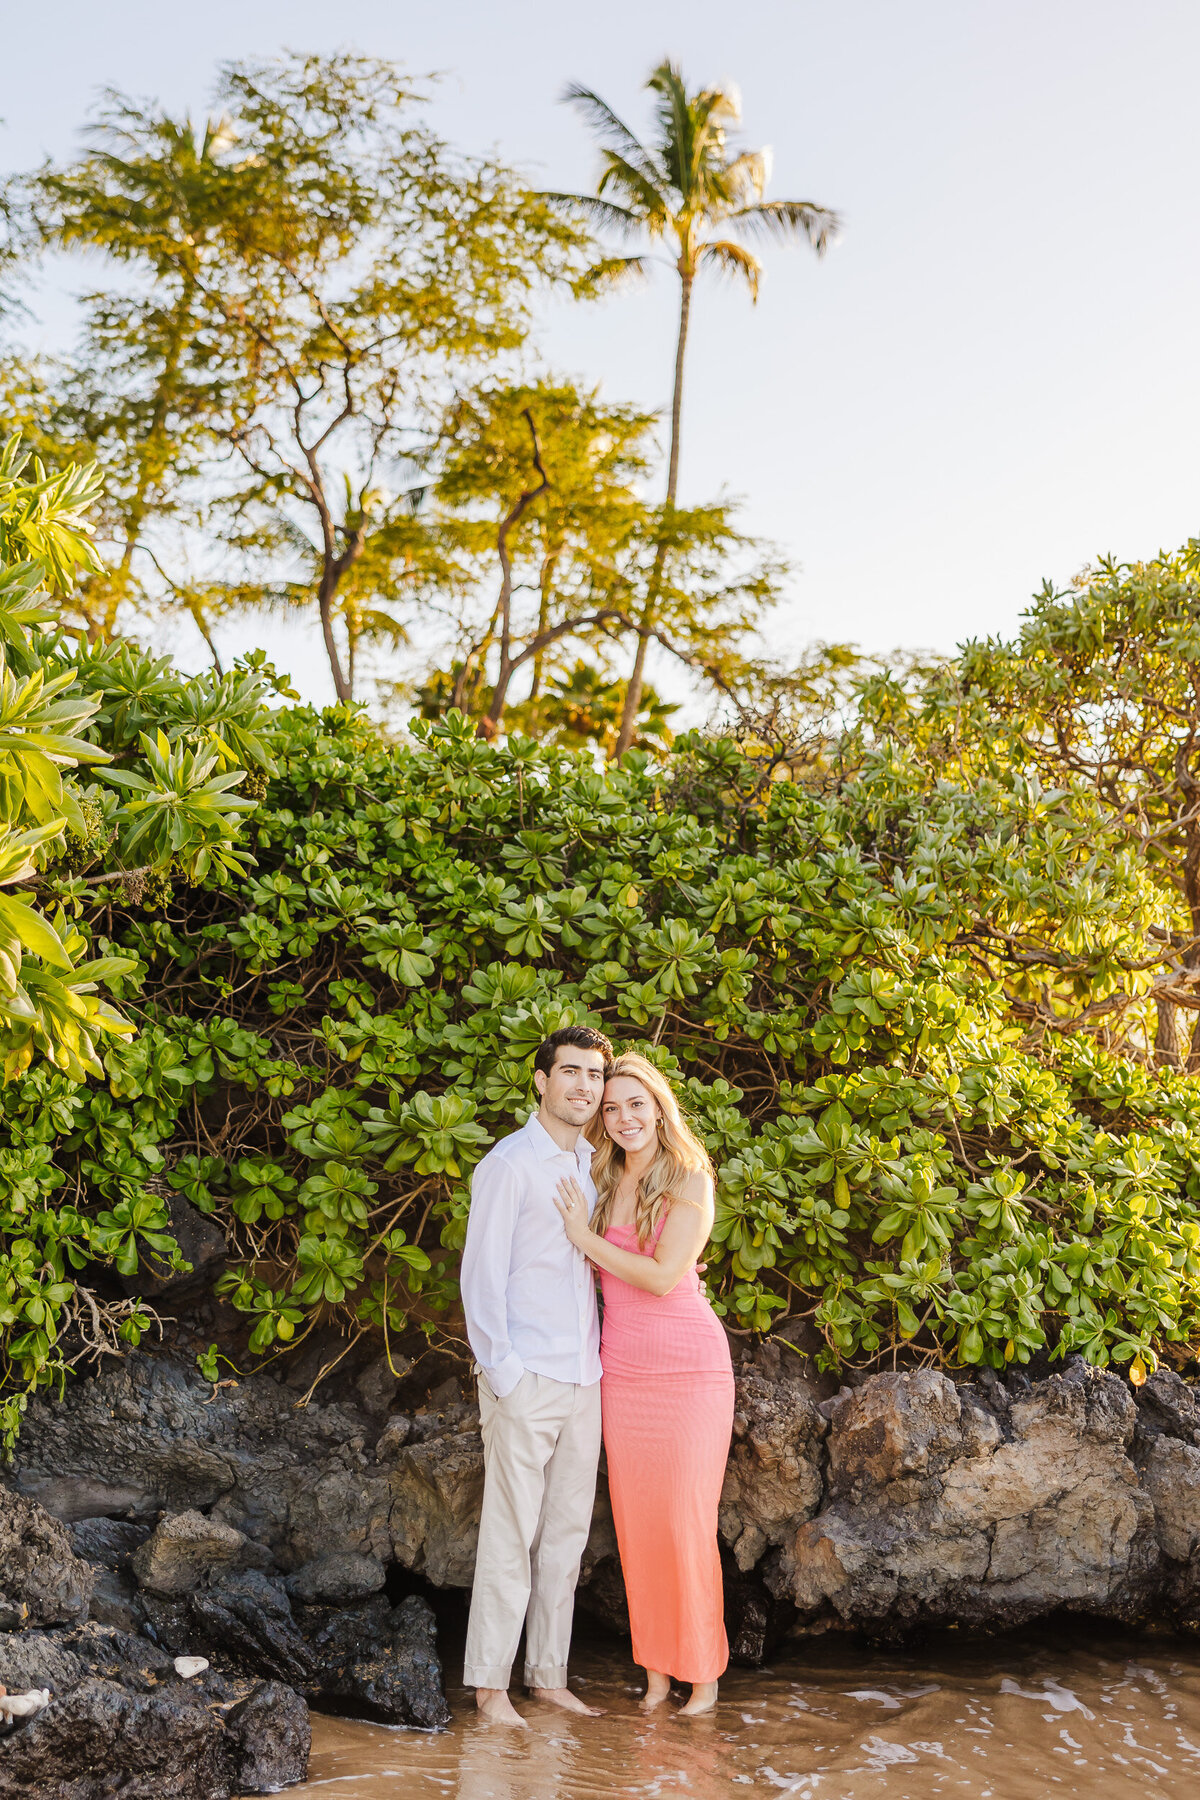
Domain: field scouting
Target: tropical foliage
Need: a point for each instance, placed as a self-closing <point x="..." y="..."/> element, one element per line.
<point x="876" y="987"/>
<point x="116" y="779"/>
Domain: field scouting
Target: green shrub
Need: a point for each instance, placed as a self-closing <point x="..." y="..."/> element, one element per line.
<point x="329" y="1045"/>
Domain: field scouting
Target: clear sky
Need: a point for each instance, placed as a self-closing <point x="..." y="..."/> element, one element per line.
<point x="992" y="379"/>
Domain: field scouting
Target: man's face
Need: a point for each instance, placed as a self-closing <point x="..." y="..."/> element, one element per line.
<point x="574" y="1088"/>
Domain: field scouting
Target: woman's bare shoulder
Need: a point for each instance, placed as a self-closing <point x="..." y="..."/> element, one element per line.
<point x="696" y="1188"/>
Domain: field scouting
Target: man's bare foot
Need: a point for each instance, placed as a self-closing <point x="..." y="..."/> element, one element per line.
<point x="658" y="1687"/>
<point x="496" y="1707"/>
<point x="566" y="1699"/>
<point x="704" y="1698"/>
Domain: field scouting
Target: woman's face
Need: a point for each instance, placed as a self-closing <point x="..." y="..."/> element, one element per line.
<point x="629" y="1114"/>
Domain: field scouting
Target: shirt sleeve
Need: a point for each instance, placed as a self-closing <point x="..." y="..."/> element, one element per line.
<point x="487" y="1254"/>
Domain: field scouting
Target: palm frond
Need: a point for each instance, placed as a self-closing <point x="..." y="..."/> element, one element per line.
<point x="789" y="218"/>
<point x="650" y="199"/>
<point x="612" y="131"/>
<point x="608" y="273"/>
<point x="748" y="174"/>
<point x="733" y="259"/>
<point x="606" y="215"/>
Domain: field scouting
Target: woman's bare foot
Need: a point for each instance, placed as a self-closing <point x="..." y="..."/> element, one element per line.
<point x="566" y="1699"/>
<point x="496" y="1707"/>
<point x="704" y="1698"/>
<point x="657" y="1688"/>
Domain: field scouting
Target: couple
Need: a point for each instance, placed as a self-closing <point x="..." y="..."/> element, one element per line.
<point x="605" y="1176"/>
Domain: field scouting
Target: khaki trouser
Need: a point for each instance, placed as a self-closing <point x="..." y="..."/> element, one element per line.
<point x="541" y="1444"/>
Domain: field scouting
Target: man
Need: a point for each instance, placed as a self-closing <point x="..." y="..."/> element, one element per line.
<point x="530" y="1303"/>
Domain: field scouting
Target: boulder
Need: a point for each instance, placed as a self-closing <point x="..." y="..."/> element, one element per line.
<point x="187" y="1546"/>
<point x="120" y="1721"/>
<point x="42" y="1580"/>
<point x="242" y="1621"/>
<point x="108" y="1543"/>
<point x="341" y="1578"/>
<point x="906" y="1500"/>
<point x="377" y="1662"/>
<point x="435" y="1490"/>
<point x="150" y="1436"/>
<point x="161" y="1746"/>
<point x="774" y="1477"/>
<point x="370" y="1660"/>
<point x="267" y="1739"/>
<point x="939" y="1513"/>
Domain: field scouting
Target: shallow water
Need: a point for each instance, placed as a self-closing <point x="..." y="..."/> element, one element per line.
<point x="1004" y="1719"/>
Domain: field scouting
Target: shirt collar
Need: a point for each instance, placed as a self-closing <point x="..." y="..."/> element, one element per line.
<point x="544" y="1146"/>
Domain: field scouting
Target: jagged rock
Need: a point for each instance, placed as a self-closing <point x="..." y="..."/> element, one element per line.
<point x="33" y="1659"/>
<point x="435" y="1486"/>
<point x="119" y="1719"/>
<point x="341" y="1578"/>
<point x="242" y="1620"/>
<point x="267" y="1740"/>
<point x="42" y="1581"/>
<point x="151" y="1437"/>
<point x="904" y="1500"/>
<point x="159" y="1748"/>
<point x="100" y="1738"/>
<point x="376" y="1386"/>
<point x="377" y="1662"/>
<point x="185" y="1547"/>
<point x="108" y="1543"/>
<point x="773" y="1481"/>
<point x="936" y="1517"/>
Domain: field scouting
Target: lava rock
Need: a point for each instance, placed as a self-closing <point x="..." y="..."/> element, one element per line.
<point x="936" y="1518"/>
<point x="243" y="1620"/>
<point x="186" y="1547"/>
<point x="99" y="1739"/>
<point x="108" y="1543"/>
<point x="377" y="1662"/>
<point x="435" y="1485"/>
<point x="341" y="1578"/>
<point x="122" y="1722"/>
<point x="773" y="1480"/>
<point x="42" y="1580"/>
<point x="267" y="1740"/>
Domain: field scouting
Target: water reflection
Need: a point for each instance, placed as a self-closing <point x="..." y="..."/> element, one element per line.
<point x="1007" y="1719"/>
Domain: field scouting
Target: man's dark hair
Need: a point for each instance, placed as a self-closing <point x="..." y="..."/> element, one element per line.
<point x="578" y="1037"/>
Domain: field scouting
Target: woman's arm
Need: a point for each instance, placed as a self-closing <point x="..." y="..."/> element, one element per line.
<point x="685" y="1232"/>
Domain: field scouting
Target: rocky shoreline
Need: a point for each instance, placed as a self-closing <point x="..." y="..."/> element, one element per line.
<point x="151" y="1514"/>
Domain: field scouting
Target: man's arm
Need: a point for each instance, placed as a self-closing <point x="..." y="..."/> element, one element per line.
<point x="487" y="1254"/>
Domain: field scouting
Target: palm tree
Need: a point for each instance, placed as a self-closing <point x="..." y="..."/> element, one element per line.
<point x="693" y="190"/>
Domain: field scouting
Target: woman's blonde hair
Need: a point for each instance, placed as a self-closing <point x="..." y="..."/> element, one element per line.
<point x="680" y="1153"/>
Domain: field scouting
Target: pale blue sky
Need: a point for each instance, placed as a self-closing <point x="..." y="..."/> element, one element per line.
<point x="992" y="379"/>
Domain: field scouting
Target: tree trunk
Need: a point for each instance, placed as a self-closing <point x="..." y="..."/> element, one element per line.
<point x="489" y="725"/>
<point x="201" y="624"/>
<point x="633" y="691"/>
<point x="1166" y="1037"/>
<point x="326" y="594"/>
<point x="535" y="686"/>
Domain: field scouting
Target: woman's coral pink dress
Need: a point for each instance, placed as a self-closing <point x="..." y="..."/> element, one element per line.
<point x="667" y="1400"/>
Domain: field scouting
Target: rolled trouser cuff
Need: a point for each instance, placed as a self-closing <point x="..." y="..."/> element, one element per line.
<point x="546" y="1675"/>
<point x="487" y="1675"/>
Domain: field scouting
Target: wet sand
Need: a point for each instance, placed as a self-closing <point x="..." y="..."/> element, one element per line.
<point x="1005" y="1719"/>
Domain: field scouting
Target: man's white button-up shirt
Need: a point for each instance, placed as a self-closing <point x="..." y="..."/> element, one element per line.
<point x="528" y="1293"/>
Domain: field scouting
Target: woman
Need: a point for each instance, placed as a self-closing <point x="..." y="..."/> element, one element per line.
<point x="667" y="1389"/>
